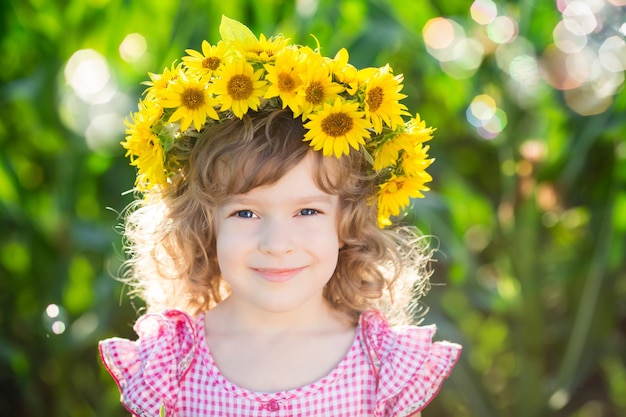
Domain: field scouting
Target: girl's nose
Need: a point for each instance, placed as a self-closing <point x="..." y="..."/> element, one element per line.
<point x="276" y="237"/>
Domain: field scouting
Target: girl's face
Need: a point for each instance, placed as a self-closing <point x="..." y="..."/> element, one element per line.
<point x="277" y="245"/>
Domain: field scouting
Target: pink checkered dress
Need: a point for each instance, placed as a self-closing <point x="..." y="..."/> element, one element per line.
<point x="386" y="373"/>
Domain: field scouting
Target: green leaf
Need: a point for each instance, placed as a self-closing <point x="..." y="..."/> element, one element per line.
<point x="232" y="30"/>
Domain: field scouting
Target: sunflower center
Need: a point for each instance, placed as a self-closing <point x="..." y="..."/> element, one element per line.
<point x="192" y="98"/>
<point x="337" y="124"/>
<point x="315" y="93"/>
<point x="211" y="63"/>
<point x="286" y="82"/>
<point x="240" y="87"/>
<point x="375" y="98"/>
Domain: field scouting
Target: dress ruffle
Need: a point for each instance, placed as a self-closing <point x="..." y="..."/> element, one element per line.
<point x="410" y="367"/>
<point x="147" y="371"/>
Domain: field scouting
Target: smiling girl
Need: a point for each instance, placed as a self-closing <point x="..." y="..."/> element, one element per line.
<point x="260" y="245"/>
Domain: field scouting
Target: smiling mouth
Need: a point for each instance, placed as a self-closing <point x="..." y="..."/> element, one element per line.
<point x="277" y="274"/>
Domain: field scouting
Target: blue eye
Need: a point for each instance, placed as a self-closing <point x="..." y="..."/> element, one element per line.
<point x="308" y="212"/>
<point x="245" y="214"/>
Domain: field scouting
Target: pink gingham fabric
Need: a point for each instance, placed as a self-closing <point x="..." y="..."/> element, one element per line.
<point x="386" y="373"/>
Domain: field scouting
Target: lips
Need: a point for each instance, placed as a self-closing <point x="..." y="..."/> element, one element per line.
<point x="277" y="274"/>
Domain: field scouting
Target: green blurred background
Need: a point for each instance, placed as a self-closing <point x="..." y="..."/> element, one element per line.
<point x="528" y="201"/>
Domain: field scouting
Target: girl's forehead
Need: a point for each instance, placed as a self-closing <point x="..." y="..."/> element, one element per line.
<point x="239" y="176"/>
<point x="303" y="181"/>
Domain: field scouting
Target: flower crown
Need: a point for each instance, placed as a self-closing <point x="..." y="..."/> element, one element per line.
<point x="343" y="109"/>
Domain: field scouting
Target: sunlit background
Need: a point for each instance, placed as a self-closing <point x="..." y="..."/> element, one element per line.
<point x="528" y="205"/>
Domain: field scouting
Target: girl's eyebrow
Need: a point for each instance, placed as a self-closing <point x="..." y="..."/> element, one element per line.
<point x="312" y="199"/>
<point x="321" y="198"/>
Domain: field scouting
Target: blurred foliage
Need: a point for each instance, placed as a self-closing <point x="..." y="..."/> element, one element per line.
<point x="531" y="222"/>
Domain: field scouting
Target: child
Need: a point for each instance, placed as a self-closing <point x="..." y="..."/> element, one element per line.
<point x="269" y="174"/>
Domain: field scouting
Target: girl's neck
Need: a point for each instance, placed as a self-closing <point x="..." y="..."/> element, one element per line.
<point x="265" y="351"/>
<point x="229" y="316"/>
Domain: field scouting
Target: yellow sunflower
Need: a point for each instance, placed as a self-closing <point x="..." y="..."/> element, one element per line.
<point x="159" y="82"/>
<point x="343" y="71"/>
<point x="336" y="128"/>
<point x="192" y="100"/>
<point x="262" y="49"/>
<point x="144" y="148"/>
<point x="284" y="79"/>
<point x="415" y="162"/>
<point x="318" y="88"/>
<point x="239" y="87"/>
<point x="211" y="58"/>
<point x="411" y="143"/>
<point x="395" y="194"/>
<point x="415" y="132"/>
<point x="386" y="155"/>
<point x="382" y="99"/>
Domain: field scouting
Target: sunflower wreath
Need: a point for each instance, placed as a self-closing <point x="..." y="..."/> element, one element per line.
<point x="343" y="109"/>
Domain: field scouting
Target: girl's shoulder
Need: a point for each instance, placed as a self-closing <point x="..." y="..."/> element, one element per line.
<point x="409" y="366"/>
<point x="148" y="370"/>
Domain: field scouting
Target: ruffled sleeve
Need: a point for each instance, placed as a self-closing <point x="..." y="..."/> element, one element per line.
<point x="409" y="366"/>
<point x="148" y="371"/>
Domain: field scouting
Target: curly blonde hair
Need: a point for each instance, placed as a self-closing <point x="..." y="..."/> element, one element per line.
<point x="170" y="240"/>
